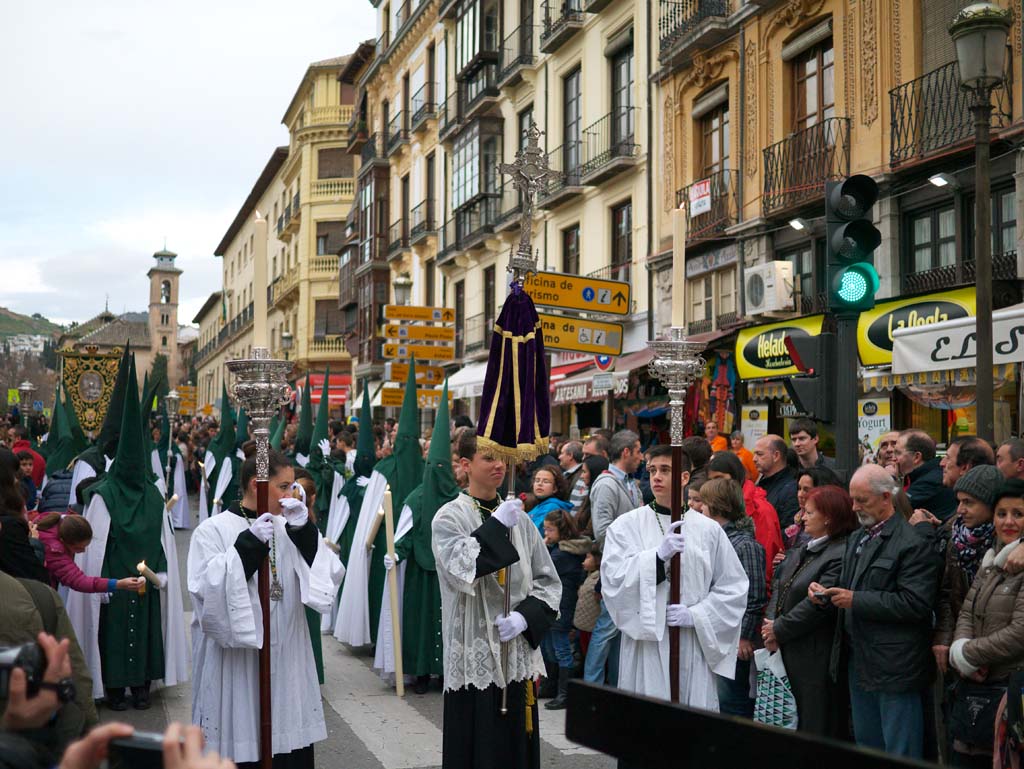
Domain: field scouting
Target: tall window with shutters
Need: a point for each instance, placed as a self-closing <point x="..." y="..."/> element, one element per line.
<point x="329" y="319"/>
<point x="571" y="250"/>
<point x="814" y="85"/>
<point x="622" y="241"/>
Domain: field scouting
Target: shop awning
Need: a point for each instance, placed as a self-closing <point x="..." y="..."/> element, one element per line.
<point x="558" y="373"/>
<point x="766" y="390"/>
<point x="951" y="345"/>
<point x="468" y="381"/>
<point x="580" y="388"/>
<point x="885" y="379"/>
<point x="634" y="360"/>
<point x="338" y="394"/>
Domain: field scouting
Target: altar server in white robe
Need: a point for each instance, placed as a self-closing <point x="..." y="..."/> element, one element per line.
<point x="227" y="626"/>
<point x="635" y="588"/>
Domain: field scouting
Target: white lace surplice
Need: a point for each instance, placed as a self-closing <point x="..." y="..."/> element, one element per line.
<point x="469" y="606"/>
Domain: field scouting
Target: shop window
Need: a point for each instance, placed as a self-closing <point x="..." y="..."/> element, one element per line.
<point x="932" y="239"/>
<point x="571" y="250"/>
<point x="814" y="85"/>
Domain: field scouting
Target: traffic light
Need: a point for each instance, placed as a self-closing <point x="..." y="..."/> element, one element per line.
<point x="813" y="392"/>
<point x="851" y="239"/>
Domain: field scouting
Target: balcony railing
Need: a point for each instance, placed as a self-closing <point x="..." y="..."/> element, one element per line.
<point x="473" y="223"/>
<point x="510" y="207"/>
<point x="724" y="187"/>
<point x="449" y="116"/>
<point x="561" y="21"/>
<point x="516" y="53"/>
<point x="421" y="219"/>
<point x="477" y="333"/>
<point x="796" y="168"/>
<point x="331" y="345"/>
<point x="422" y="106"/>
<point x="678" y="18"/>
<point x="333" y="189"/>
<point x="398" y="237"/>
<point x="609" y="145"/>
<point x="372" y="151"/>
<point x="619" y="271"/>
<point x="398" y="132"/>
<point x="447" y="241"/>
<point x="1004" y="267"/>
<point x="237" y="323"/>
<point x="567" y="161"/>
<point x="810" y="304"/>
<point x="698" y="326"/>
<point x="479" y="91"/>
<point x="931" y="114"/>
<point x="323" y="266"/>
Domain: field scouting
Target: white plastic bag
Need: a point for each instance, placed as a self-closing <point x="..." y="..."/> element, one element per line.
<point x="775" y="704"/>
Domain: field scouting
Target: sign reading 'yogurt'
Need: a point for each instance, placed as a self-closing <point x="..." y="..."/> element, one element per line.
<point x="761" y="350"/>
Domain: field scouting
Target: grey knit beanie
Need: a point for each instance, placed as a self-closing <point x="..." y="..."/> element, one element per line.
<point x="981" y="482"/>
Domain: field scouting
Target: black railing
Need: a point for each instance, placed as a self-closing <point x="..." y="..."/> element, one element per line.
<point x="728" y="319"/>
<point x="796" y="168"/>
<point x="558" y="16"/>
<point x="931" y="113"/>
<point x="398" y="131"/>
<point x="677" y="18"/>
<point x="516" y="50"/>
<point x="567" y="162"/>
<point x="475" y="221"/>
<point x="698" y="326"/>
<point x="449" y="117"/>
<point x="620" y="271"/>
<point x="810" y="304"/>
<point x="421" y="106"/>
<point x="421" y="219"/>
<point x="610" y="138"/>
<point x="372" y="150"/>
<point x="237" y="323"/>
<point x="398" y="236"/>
<point x="477" y="333"/>
<point x="962" y="273"/>
<point x="447" y="242"/>
<point x="478" y="86"/>
<point x="722" y="205"/>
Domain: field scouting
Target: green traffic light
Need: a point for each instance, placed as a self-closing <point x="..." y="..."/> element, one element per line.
<point x="855" y="286"/>
<point x="852" y="287"/>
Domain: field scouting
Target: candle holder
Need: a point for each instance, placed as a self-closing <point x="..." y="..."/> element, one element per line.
<point x="677" y="363"/>
<point x="261" y="386"/>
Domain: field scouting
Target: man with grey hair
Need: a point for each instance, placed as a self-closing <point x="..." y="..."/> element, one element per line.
<point x="613" y="493"/>
<point x="884" y="597"/>
<point x="776" y="478"/>
<point x="570" y="459"/>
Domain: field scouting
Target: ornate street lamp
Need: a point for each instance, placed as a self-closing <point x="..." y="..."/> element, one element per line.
<point x="25" y="392"/>
<point x="403" y="288"/>
<point x="287" y="341"/>
<point x="980" y="32"/>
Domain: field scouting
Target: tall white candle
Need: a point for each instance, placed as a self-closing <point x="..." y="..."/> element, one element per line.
<point x="259" y="283"/>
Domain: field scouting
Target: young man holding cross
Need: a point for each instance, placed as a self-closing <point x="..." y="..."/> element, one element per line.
<point x="638" y="549"/>
<point x="477" y="538"/>
<point x="227" y="628"/>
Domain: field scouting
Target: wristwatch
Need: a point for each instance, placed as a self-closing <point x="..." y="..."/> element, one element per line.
<point x="65" y="689"/>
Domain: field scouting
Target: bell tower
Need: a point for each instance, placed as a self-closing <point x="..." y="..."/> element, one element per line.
<point x="163" y="311"/>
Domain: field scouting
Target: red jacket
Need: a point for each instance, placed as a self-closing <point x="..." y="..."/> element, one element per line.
<point x="38" y="463"/>
<point x="766" y="524"/>
<point x="60" y="562"/>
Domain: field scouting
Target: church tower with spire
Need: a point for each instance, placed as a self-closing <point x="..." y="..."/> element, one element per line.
<point x="163" y="311"/>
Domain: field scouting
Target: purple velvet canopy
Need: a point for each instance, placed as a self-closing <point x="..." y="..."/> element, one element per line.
<point x="515" y="412"/>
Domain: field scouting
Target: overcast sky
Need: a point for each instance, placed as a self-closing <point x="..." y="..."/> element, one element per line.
<point x="128" y="122"/>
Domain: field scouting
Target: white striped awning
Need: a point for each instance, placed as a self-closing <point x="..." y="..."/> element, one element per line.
<point x="884" y="379"/>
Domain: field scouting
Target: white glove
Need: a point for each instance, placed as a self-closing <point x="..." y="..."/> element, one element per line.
<point x="302" y="460"/>
<point x="508" y="512"/>
<point x="161" y="577"/>
<point x="511" y="626"/>
<point x="389" y="562"/>
<point x="674" y="542"/>
<point x="678" y="615"/>
<point x="263" y="527"/>
<point x="363" y="480"/>
<point x="302" y="492"/>
<point x="295" y="512"/>
<point x="325" y="447"/>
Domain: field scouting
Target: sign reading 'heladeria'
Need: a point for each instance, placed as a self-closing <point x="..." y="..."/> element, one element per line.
<point x="761" y="350"/>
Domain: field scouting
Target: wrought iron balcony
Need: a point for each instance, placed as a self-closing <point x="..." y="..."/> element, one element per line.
<point x="475" y="222"/>
<point x="480" y="93"/>
<point x="609" y="146"/>
<point x="477" y="334"/>
<point x="372" y="153"/>
<point x="422" y="107"/>
<point x="796" y="168"/>
<point x="1004" y="267"/>
<point x="357" y="135"/>
<point x="398" y="132"/>
<point x="567" y="162"/>
<point x="398" y="238"/>
<point x="931" y="114"/>
<point x="620" y="271"/>
<point x="683" y="24"/>
<point x="422" y="221"/>
<point x="516" y="54"/>
<point x="447" y="242"/>
<point x="698" y="326"/>
<point x="449" y="117"/>
<point x="727" y="319"/>
<point x="813" y="303"/>
<point x="561" y="21"/>
<point x="724" y="187"/>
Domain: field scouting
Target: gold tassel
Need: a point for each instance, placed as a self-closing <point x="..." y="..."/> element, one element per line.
<point x="501" y="577"/>
<point x="531" y="700"/>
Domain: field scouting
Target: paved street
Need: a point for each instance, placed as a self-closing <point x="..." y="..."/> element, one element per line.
<point x="368" y="727"/>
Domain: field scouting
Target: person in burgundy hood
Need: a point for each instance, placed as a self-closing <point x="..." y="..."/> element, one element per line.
<point x="19" y="434"/>
<point x="725" y="464"/>
<point x="64" y="537"/>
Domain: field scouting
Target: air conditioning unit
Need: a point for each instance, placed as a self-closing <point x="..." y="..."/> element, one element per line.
<point x="768" y="288"/>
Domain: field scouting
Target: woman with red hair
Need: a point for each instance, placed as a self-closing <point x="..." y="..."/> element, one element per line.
<point x="801" y="630"/>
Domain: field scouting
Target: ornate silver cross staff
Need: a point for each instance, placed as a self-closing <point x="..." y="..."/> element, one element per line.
<point x="529" y="174"/>
<point x="677" y="363"/>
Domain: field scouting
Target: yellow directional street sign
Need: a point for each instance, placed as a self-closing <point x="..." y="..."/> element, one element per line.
<point x="424" y="333"/>
<point x="564" y="332"/>
<point x="576" y="292"/>
<point x="421" y="351"/>
<point x="405" y="312"/>
<point x="428" y="399"/>
<point x="428" y="375"/>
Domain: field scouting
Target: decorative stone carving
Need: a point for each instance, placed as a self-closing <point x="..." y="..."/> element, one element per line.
<point x="750" y="151"/>
<point x="897" y="42"/>
<point x="869" y="62"/>
<point x="668" y="167"/>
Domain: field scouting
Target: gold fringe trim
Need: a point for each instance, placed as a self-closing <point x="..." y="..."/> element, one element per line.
<point x="523" y="452"/>
<point x="531" y="700"/>
<point x="517" y="337"/>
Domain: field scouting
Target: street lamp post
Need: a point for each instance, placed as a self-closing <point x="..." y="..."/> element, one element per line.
<point x="25" y="392"/>
<point x="403" y="289"/>
<point x="980" y="31"/>
<point x="287" y="340"/>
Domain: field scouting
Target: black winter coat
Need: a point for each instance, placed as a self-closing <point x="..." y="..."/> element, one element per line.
<point x="889" y="628"/>
<point x="568" y="560"/>
<point x="926" y="490"/>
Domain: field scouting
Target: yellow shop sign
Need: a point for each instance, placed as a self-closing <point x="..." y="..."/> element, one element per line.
<point x="875" y="327"/>
<point x="761" y="350"/>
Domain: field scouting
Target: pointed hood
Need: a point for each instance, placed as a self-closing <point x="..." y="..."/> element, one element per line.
<point x="223" y="444"/>
<point x="304" y="437"/>
<point x="278" y="434"/>
<point x="322" y="467"/>
<point x="78" y="439"/>
<point x="320" y="430"/>
<point x="60" y="441"/>
<point x="241" y="427"/>
<point x="366" y="450"/>
<point x="408" y="472"/>
<point x="111" y="428"/>
<point x="438" y="487"/>
<point x="275" y="422"/>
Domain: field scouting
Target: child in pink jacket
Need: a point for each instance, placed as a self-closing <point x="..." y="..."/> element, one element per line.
<point x="64" y="536"/>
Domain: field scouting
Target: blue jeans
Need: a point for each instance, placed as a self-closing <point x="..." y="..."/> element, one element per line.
<point x="557" y="649"/>
<point x="890" y="722"/>
<point x="603" y="650"/>
<point x="734" y="696"/>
